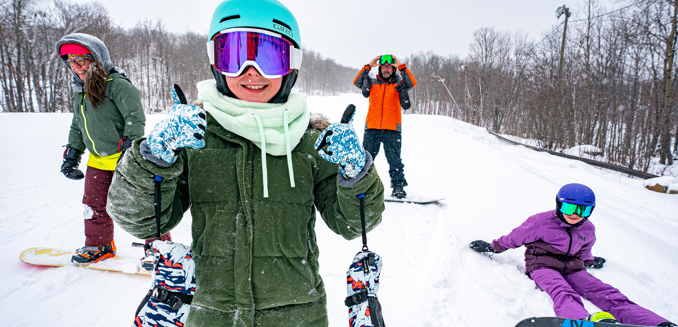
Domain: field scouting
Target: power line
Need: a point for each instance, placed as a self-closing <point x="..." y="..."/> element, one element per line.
<point x="607" y="13"/>
<point x="582" y="20"/>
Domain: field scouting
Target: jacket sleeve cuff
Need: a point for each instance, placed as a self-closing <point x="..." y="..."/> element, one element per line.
<point x="146" y="154"/>
<point x="401" y="67"/>
<point x="498" y="248"/>
<point x="368" y="67"/>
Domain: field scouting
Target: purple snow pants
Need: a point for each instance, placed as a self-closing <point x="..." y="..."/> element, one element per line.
<point x="566" y="291"/>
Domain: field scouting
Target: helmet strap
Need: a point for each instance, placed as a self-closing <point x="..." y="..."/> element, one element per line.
<point x="222" y="87"/>
<point x="288" y="82"/>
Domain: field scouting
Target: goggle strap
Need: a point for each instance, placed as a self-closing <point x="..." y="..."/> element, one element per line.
<point x="210" y="51"/>
<point x="254" y="30"/>
<point x="296" y="56"/>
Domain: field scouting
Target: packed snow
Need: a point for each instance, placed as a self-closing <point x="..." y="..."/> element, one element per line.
<point x="430" y="276"/>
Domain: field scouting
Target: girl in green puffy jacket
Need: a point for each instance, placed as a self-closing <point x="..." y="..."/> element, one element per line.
<point x="246" y="166"/>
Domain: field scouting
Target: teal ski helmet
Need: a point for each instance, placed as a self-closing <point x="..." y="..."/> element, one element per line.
<point x="269" y="15"/>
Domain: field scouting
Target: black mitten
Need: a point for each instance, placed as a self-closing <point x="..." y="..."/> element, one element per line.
<point x="597" y="263"/>
<point x="70" y="166"/>
<point x="123" y="145"/>
<point x="481" y="246"/>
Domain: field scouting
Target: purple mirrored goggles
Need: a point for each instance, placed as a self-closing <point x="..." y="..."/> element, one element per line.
<point x="232" y="50"/>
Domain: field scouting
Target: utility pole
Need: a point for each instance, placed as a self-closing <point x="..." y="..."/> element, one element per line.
<point x="559" y="12"/>
<point x="442" y="80"/>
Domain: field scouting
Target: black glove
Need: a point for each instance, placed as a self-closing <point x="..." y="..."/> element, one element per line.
<point x="597" y="263"/>
<point x="481" y="246"/>
<point x="401" y="86"/>
<point x="70" y="166"/>
<point x="123" y="145"/>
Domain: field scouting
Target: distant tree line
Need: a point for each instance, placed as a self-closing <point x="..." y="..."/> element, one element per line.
<point x="617" y="91"/>
<point x="33" y="78"/>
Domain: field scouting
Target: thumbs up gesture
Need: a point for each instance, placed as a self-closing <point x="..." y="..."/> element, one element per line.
<point x="339" y="144"/>
<point x="183" y="127"/>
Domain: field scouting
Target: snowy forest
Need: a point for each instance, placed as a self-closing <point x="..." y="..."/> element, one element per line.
<point x="601" y="77"/>
<point x="35" y="80"/>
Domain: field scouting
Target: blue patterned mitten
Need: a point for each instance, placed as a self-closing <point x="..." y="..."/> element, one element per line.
<point x="344" y="148"/>
<point x="362" y="284"/>
<point x="170" y="297"/>
<point x="183" y="127"/>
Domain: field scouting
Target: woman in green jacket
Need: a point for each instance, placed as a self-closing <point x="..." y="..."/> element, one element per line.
<point x="107" y="116"/>
<point x="247" y="168"/>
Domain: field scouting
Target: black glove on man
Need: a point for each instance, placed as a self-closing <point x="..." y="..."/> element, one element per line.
<point x="481" y="246"/>
<point x="123" y="145"/>
<point x="597" y="263"/>
<point x="71" y="162"/>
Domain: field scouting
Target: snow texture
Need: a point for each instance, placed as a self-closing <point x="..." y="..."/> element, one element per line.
<point x="430" y="276"/>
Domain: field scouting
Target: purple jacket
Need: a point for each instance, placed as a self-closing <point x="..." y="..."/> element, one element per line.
<point x="551" y="243"/>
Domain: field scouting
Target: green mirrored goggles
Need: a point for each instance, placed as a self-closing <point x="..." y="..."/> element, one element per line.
<point x="386" y="59"/>
<point x="581" y="210"/>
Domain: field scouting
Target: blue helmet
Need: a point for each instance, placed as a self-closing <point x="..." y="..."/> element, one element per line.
<point x="576" y="194"/>
<point x="269" y="15"/>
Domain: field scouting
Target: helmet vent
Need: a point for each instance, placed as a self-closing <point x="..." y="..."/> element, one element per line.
<point x="229" y="18"/>
<point x="283" y="24"/>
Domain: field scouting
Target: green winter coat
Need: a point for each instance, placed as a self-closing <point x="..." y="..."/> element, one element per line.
<point x="256" y="258"/>
<point x="101" y="129"/>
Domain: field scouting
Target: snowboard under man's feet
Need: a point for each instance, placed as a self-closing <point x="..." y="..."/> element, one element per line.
<point x="91" y="254"/>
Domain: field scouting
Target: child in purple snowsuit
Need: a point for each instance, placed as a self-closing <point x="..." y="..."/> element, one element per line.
<point x="558" y="250"/>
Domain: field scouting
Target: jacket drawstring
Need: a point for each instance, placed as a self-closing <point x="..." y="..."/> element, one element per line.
<point x="289" y="147"/>
<point x="263" y="153"/>
<point x="264" y="168"/>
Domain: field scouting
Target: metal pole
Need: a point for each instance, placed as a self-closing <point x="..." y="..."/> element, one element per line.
<point x="442" y="80"/>
<point x="562" y="45"/>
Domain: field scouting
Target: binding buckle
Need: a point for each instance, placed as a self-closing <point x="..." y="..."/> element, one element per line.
<point x="356" y="298"/>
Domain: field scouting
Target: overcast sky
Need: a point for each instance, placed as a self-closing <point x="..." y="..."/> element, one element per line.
<point x="354" y="31"/>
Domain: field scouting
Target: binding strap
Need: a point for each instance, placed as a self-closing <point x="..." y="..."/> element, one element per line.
<point x="356" y="298"/>
<point x="173" y="299"/>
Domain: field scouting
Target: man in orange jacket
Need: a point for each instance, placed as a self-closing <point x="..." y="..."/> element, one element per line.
<point x="388" y="94"/>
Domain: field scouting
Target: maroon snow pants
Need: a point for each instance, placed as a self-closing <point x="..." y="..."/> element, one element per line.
<point x="98" y="224"/>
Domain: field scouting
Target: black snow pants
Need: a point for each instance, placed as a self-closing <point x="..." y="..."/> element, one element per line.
<point x="372" y="141"/>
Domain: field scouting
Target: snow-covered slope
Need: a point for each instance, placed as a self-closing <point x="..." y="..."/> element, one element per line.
<point x="430" y="277"/>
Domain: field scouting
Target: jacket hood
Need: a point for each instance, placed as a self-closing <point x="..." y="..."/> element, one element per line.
<point x="94" y="45"/>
